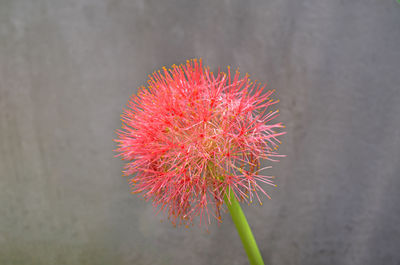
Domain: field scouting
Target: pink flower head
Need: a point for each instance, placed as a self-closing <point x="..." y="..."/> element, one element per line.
<point x="191" y="137"/>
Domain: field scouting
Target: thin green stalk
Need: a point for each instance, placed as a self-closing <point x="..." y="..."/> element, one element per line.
<point x="243" y="229"/>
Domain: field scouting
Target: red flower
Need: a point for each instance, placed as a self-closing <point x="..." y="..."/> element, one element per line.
<point x="192" y="136"/>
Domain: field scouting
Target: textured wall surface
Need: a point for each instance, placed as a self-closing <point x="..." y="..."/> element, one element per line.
<point x="68" y="67"/>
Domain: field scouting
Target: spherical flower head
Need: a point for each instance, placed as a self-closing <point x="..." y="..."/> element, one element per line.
<point x="192" y="137"/>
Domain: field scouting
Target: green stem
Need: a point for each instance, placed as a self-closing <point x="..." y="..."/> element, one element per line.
<point x="243" y="229"/>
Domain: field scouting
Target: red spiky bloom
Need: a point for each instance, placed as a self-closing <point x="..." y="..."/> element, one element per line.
<point x="192" y="136"/>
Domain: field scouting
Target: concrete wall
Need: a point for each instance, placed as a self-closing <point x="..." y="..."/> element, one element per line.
<point x="68" y="67"/>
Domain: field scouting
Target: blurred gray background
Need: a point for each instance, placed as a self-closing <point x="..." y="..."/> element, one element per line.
<point x="67" y="69"/>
